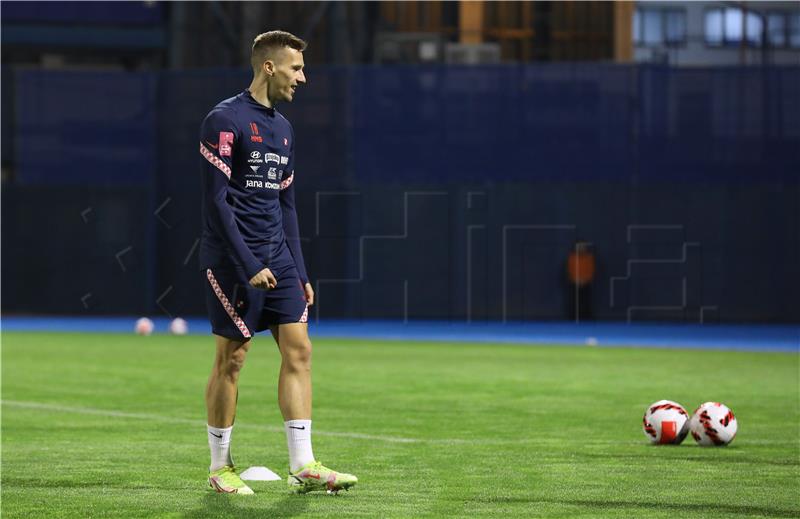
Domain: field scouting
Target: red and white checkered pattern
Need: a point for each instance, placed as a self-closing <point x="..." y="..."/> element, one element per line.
<point x="227" y="304"/>
<point x="214" y="160"/>
<point x="304" y="317"/>
<point x="287" y="182"/>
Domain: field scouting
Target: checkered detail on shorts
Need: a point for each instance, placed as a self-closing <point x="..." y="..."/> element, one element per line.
<point x="215" y="161"/>
<point x="227" y="304"/>
<point x="304" y="317"/>
<point x="287" y="182"/>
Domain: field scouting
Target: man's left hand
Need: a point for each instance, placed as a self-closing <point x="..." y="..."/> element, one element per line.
<point x="309" y="294"/>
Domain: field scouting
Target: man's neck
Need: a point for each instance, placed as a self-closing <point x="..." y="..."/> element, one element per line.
<point x="258" y="89"/>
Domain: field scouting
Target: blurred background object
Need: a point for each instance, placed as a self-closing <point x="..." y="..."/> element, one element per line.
<point x="448" y="154"/>
<point x="580" y="275"/>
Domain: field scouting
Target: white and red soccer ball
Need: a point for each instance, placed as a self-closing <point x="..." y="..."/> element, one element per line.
<point x="713" y="424"/>
<point x="665" y="422"/>
<point x="144" y="326"/>
<point x="178" y="326"/>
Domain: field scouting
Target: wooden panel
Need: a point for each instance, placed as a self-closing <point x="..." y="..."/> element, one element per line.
<point x="571" y="30"/>
<point x="389" y="13"/>
<point x="471" y="21"/>
<point x="434" y="15"/>
<point x="623" y="31"/>
<point x="411" y="19"/>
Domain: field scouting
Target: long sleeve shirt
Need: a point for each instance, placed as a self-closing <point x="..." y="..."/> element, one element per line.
<point x="249" y="216"/>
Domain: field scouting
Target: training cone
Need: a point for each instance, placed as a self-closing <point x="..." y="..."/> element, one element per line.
<point x="259" y="474"/>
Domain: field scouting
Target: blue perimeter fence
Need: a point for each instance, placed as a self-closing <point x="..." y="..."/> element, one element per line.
<point x="449" y="193"/>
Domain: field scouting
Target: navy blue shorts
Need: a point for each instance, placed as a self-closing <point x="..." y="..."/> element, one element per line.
<point x="237" y="310"/>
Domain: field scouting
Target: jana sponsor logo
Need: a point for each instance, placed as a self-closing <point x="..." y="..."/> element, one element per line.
<point x="260" y="184"/>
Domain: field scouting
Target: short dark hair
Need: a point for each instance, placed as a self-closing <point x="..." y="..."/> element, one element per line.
<point x="267" y="42"/>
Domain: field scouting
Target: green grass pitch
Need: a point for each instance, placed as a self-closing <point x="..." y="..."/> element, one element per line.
<point x="114" y="426"/>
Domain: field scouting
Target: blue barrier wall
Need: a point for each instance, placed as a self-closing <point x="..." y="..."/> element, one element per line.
<point x="427" y="192"/>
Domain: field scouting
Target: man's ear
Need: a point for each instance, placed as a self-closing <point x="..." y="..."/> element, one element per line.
<point x="268" y="67"/>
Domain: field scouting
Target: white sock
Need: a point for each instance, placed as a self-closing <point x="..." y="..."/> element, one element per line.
<point x="298" y="438"/>
<point x="219" y="440"/>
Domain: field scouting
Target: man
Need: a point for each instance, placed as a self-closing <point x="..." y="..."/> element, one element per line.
<point x="250" y="253"/>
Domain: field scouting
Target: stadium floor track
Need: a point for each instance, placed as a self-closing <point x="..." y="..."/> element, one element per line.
<point x="693" y="336"/>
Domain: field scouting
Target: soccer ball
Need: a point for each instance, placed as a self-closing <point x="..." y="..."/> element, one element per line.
<point x="144" y="326"/>
<point x="713" y="424"/>
<point x="665" y="422"/>
<point x="178" y="326"/>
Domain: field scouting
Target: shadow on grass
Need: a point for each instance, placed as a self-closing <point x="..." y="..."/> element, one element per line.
<point x="224" y="505"/>
<point x="720" y="510"/>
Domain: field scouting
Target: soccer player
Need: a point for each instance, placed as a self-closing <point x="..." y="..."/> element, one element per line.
<point x="250" y="254"/>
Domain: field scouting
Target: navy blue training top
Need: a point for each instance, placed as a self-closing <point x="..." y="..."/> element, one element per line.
<point x="249" y="218"/>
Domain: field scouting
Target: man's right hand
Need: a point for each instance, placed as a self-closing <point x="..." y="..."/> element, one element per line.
<point x="264" y="280"/>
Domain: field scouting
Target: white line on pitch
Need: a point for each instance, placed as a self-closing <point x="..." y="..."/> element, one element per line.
<point x="189" y="421"/>
<point x="356" y="436"/>
<point x="201" y="423"/>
